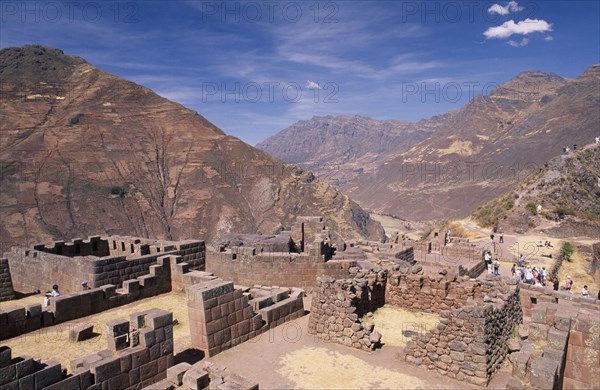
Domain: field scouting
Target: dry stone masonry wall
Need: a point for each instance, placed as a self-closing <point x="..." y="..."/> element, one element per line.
<point x="99" y="261"/>
<point x="338" y="307"/>
<point x="138" y="355"/>
<point x="15" y="320"/>
<point x="223" y="316"/>
<point x="6" y="288"/>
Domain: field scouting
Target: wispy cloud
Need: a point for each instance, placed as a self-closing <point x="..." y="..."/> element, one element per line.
<point x="512" y="6"/>
<point x="521" y="43"/>
<point x="312" y="85"/>
<point x="523" y="27"/>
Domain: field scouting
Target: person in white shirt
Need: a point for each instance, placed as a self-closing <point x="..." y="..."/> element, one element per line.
<point x="585" y="292"/>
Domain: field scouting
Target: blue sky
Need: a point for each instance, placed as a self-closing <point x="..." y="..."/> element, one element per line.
<point x="255" y="67"/>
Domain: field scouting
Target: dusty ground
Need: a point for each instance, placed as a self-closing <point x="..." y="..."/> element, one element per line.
<point x="286" y="356"/>
<point x="53" y="342"/>
<point x="30" y="300"/>
<point x="577" y="270"/>
<point x="393" y="322"/>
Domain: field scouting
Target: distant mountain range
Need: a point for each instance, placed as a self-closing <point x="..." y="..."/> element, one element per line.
<point x="84" y="152"/>
<point x="446" y="166"/>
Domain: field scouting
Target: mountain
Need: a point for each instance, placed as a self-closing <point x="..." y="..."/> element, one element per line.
<point x="474" y="154"/>
<point x="339" y="149"/>
<point x="85" y="152"/>
<point x="567" y="189"/>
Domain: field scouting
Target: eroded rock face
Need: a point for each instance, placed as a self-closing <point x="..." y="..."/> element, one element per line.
<point x="85" y="152"/>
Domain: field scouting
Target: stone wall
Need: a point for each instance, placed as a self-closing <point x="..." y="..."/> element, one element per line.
<point x="6" y="288"/>
<point x="410" y="287"/>
<point x="138" y="355"/>
<point x="223" y="316"/>
<point x="338" y="306"/>
<point x="204" y="374"/>
<point x="244" y="266"/>
<point x="561" y="341"/>
<point x="470" y="342"/>
<point x="68" y="264"/>
<point x="16" y="320"/>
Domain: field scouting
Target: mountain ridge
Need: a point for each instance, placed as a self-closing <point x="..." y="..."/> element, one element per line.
<point x="85" y="152"/>
<point x="522" y="123"/>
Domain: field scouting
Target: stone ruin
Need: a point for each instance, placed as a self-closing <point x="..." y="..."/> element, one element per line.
<point x="139" y="354"/>
<point x="338" y="307"/>
<point x="293" y="257"/>
<point x="550" y="338"/>
<point x="559" y="343"/>
<point x="97" y="260"/>
<point x="7" y="292"/>
<point x="223" y="315"/>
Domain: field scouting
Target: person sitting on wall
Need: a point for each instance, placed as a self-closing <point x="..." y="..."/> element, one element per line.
<point x="51" y="294"/>
<point x="47" y="298"/>
<point x="55" y="293"/>
<point x="585" y="292"/>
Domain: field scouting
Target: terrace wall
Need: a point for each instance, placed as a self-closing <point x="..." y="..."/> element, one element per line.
<point x="223" y="316"/>
<point x="6" y="288"/>
<point x="41" y="267"/>
<point x="136" y="357"/>
<point x="16" y="320"/>
<point x="280" y="269"/>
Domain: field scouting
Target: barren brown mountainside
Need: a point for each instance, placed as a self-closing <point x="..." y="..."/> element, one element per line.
<point x="476" y="153"/>
<point x="339" y="149"/>
<point x="85" y="152"/>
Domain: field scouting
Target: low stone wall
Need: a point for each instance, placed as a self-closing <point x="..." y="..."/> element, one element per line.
<point x="410" y="287"/>
<point x="562" y="341"/>
<point x="275" y="268"/>
<point x="202" y="375"/>
<point x="470" y="342"/>
<point x="339" y="305"/>
<point x="40" y="267"/>
<point x="137" y="356"/>
<point x="16" y="320"/>
<point x="6" y="288"/>
<point x="559" y="345"/>
<point x="223" y="316"/>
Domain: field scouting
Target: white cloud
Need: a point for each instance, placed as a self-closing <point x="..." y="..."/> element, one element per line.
<point x="312" y="85"/>
<point x="522" y="43"/>
<point x="548" y="38"/>
<point x="523" y="27"/>
<point x="512" y="6"/>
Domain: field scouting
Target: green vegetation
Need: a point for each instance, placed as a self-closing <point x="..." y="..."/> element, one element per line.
<point x="567" y="251"/>
<point x="491" y="213"/>
<point x="531" y="206"/>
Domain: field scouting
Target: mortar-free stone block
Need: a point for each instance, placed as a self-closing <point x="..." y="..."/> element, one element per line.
<point x="562" y="322"/>
<point x="538" y="314"/>
<point x="175" y="373"/>
<point x="5" y="356"/>
<point x="543" y="373"/>
<point x="538" y="331"/>
<point x="34" y="310"/>
<point x="81" y="332"/>
<point x="557" y="339"/>
<point x="50" y="374"/>
<point x="148" y="370"/>
<point x="520" y="364"/>
<point x="196" y="378"/>
<point x="105" y="369"/>
<point x="118" y="327"/>
<point x="159" y="319"/>
<point x="147" y="337"/>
